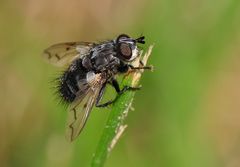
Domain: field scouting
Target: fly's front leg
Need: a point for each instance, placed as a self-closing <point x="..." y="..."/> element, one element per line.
<point x="132" y="69"/>
<point x="140" y="67"/>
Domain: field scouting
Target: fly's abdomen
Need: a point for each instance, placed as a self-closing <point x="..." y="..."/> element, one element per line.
<point x="69" y="82"/>
<point x="68" y="87"/>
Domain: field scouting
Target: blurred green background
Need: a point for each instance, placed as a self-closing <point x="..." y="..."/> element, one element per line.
<point x="187" y="113"/>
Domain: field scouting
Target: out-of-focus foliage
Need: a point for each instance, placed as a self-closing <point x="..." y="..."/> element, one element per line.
<point x="187" y="113"/>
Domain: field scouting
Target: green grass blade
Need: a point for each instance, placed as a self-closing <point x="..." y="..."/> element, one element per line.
<point x="114" y="126"/>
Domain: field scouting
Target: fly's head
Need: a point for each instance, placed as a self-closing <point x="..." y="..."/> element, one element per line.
<point x="126" y="47"/>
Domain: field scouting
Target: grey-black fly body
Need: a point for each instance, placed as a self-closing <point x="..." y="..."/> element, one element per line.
<point x="90" y="67"/>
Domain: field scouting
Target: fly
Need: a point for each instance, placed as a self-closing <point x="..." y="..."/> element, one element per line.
<point x="90" y="67"/>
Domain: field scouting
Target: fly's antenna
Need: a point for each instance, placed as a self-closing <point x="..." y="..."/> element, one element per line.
<point x="140" y="40"/>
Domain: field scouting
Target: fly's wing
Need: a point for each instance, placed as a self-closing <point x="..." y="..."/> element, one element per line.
<point x="64" y="53"/>
<point x="80" y="109"/>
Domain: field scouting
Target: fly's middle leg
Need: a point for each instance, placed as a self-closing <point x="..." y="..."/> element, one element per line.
<point x="99" y="98"/>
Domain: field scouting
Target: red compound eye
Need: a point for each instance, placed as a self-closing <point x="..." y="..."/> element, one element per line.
<point x="125" y="50"/>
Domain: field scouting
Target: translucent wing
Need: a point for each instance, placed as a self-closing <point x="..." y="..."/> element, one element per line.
<point x="64" y="53"/>
<point x="81" y="108"/>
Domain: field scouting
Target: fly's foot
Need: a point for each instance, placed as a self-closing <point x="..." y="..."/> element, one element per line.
<point x="106" y="104"/>
<point x="129" y="88"/>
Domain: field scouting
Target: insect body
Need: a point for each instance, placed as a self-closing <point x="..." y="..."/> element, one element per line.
<point x="90" y="67"/>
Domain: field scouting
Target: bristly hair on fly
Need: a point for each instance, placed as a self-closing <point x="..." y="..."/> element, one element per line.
<point x="55" y="84"/>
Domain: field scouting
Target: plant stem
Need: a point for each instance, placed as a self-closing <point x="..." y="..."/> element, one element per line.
<point x="114" y="126"/>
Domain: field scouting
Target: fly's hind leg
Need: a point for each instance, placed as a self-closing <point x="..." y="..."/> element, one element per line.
<point x="99" y="98"/>
<point x="125" y="88"/>
<point x="115" y="84"/>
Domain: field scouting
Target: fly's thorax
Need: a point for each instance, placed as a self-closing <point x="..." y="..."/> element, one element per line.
<point x="107" y="62"/>
<point x="103" y="57"/>
<point x="102" y="48"/>
<point x="101" y="61"/>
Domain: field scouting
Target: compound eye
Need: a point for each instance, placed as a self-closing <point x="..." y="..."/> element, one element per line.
<point x="125" y="50"/>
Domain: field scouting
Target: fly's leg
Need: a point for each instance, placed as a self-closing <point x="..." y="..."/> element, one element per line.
<point x="125" y="88"/>
<point x="106" y="104"/>
<point x="141" y="63"/>
<point x="134" y="69"/>
<point x="141" y="67"/>
<point x="99" y="98"/>
<point x="115" y="84"/>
